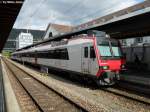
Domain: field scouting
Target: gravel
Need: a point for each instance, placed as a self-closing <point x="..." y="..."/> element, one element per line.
<point x="91" y="100"/>
<point x="47" y="99"/>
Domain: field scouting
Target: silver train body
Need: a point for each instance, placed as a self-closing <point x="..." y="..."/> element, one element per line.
<point x="80" y="55"/>
<point x="71" y="59"/>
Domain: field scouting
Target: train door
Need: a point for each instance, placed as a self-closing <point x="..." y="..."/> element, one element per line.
<point x="93" y="65"/>
<point x="85" y="59"/>
<point x="35" y="57"/>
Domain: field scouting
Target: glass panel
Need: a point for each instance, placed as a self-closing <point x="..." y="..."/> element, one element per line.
<point x="116" y="51"/>
<point x="92" y="52"/>
<point x="86" y="52"/>
<point x="104" y="50"/>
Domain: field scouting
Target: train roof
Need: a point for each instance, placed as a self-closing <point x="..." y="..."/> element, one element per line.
<point x="54" y="45"/>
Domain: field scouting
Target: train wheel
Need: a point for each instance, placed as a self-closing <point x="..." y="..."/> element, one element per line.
<point x="102" y="82"/>
<point x="106" y="79"/>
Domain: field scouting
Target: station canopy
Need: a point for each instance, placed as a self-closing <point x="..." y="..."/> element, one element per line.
<point x="132" y="25"/>
<point x="128" y="26"/>
<point x="9" y="10"/>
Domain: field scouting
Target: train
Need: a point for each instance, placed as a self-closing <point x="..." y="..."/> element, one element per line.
<point x="93" y="55"/>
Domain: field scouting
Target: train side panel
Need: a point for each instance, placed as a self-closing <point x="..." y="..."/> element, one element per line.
<point x="77" y="61"/>
<point x="74" y="63"/>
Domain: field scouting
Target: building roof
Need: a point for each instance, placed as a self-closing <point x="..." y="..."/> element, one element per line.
<point x="60" y="28"/>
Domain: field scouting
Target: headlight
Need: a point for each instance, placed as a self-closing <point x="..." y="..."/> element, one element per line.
<point x="122" y="66"/>
<point x="105" y="67"/>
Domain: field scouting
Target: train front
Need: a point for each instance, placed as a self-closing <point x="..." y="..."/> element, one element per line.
<point x="110" y="59"/>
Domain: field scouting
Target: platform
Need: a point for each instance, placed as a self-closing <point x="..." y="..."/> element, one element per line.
<point x="8" y="101"/>
<point x="139" y="78"/>
<point x="2" y="98"/>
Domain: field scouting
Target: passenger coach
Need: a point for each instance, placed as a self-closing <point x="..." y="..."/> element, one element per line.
<point x="93" y="54"/>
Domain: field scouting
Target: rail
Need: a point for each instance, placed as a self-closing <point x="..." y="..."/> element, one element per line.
<point x="92" y="99"/>
<point x="36" y="91"/>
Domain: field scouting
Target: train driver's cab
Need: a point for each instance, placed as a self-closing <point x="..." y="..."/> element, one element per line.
<point x="109" y="55"/>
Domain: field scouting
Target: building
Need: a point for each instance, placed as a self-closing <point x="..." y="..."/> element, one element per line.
<point x="56" y="29"/>
<point x="10" y="45"/>
<point x="23" y="40"/>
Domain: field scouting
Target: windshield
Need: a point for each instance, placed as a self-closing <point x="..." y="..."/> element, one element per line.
<point x="116" y="51"/>
<point x="109" y="50"/>
<point x="104" y="50"/>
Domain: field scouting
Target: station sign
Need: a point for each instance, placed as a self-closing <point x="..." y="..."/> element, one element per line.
<point x="24" y="40"/>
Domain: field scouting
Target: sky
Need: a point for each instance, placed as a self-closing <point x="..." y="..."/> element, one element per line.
<point x="37" y="14"/>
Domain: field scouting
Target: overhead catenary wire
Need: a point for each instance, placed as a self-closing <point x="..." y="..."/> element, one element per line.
<point x="71" y="9"/>
<point x="91" y="14"/>
<point x="76" y="5"/>
<point x="105" y="9"/>
<point x="41" y="3"/>
<point x="34" y="13"/>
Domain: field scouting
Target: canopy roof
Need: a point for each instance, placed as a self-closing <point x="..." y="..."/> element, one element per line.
<point x="9" y="10"/>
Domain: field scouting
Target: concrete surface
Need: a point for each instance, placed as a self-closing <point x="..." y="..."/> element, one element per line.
<point x="11" y="101"/>
<point x="2" y="97"/>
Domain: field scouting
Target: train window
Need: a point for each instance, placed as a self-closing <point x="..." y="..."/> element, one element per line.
<point x="30" y="54"/>
<point x="41" y="54"/>
<point x="45" y="54"/>
<point x="92" y="52"/>
<point x="54" y="54"/>
<point x="50" y="54"/>
<point x="61" y="54"/>
<point x="57" y="54"/>
<point x="64" y="54"/>
<point x="86" y="52"/>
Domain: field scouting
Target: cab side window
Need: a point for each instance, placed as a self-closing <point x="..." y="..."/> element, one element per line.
<point x="85" y="52"/>
<point x="92" y="52"/>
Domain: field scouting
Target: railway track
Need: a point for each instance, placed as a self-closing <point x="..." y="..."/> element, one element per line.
<point x="128" y="95"/>
<point x="123" y="89"/>
<point x="126" y="90"/>
<point x="33" y="95"/>
<point x="143" y="90"/>
<point x="111" y="98"/>
<point x="135" y="92"/>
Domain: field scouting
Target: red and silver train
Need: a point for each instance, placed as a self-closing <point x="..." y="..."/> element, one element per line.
<point x="93" y="54"/>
